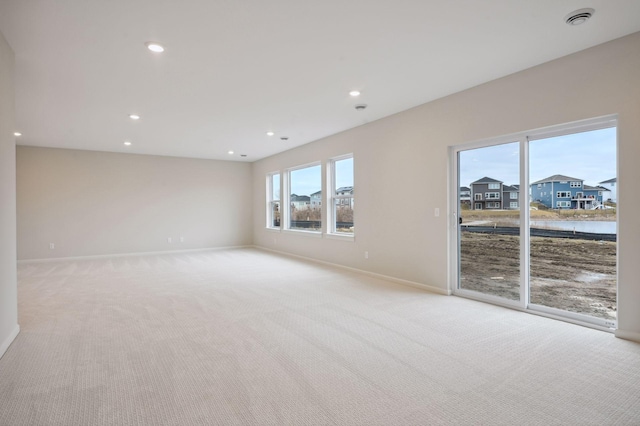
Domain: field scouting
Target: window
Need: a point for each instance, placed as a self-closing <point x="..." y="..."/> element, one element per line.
<point x="539" y="185"/>
<point x="575" y="184"/>
<point x="563" y="194"/>
<point x="302" y="183"/>
<point x="561" y="204"/>
<point x="513" y="205"/>
<point x="494" y="186"/>
<point x="492" y="195"/>
<point x="340" y="198"/>
<point x="513" y="196"/>
<point x="273" y="200"/>
<point x="478" y="206"/>
<point x="493" y="205"/>
<point x="478" y="197"/>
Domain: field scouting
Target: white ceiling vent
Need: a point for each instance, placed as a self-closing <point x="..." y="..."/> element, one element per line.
<point x="579" y="16"/>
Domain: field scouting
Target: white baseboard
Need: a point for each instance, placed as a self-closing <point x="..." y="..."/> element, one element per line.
<point x="7" y="342"/>
<point x="414" y="284"/>
<point x="628" y="335"/>
<point x="141" y="253"/>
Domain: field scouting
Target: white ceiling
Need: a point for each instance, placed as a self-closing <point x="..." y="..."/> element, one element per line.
<point x="235" y="69"/>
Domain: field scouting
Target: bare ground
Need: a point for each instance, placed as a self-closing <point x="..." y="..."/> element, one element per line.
<point x="569" y="274"/>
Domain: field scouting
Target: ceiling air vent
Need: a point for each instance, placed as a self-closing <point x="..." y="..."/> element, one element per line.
<point x="579" y="16"/>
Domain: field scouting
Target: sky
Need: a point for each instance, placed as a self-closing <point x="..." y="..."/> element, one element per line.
<point x="590" y="156"/>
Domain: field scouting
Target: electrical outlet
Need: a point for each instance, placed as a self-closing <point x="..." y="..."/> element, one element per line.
<point x="436" y="212"/>
<point x="182" y="239"/>
<point x="169" y="240"/>
<point x="366" y="254"/>
<point x="52" y="246"/>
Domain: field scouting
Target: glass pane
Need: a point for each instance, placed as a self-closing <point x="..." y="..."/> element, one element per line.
<point x="344" y="215"/>
<point x="306" y="199"/>
<point x="489" y="233"/>
<point x="275" y="186"/>
<point x="275" y="214"/>
<point x="343" y="207"/>
<point x="344" y="177"/>
<point x="573" y="223"/>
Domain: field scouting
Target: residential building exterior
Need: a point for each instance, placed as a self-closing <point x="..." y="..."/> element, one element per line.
<point x="345" y="190"/>
<point x="465" y="195"/>
<point x="611" y="185"/>
<point x="565" y="192"/>
<point x="300" y="202"/>
<point x="316" y="200"/>
<point x="489" y="193"/>
<point x="510" y="197"/>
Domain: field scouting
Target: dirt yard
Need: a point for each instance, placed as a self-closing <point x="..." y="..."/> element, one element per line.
<point x="569" y="274"/>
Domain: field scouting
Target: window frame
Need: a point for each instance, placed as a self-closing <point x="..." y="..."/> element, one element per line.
<point x="285" y="215"/>
<point x="331" y="198"/>
<point x="271" y="200"/>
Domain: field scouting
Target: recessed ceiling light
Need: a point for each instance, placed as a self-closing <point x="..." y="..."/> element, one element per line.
<point x="17" y="134"/>
<point x="154" y="47"/>
<point x="354" y="93"/>
<point x="127" y="143"/>
<point x="579" y="16"/>
<point x="270" y="133"/>
<point x="230" y="153"/>
<point x="134" y="116"/>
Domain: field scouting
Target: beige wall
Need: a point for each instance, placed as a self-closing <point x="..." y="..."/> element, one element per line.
<point x="405" y="158"/>
<point x="8" y="287"/>
<point x="93" y="203"/>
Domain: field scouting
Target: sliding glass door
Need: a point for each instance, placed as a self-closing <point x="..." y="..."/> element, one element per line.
<point x="535" y="221"/>
<point x="489" y="213"/>
<point x="573" y="224"/>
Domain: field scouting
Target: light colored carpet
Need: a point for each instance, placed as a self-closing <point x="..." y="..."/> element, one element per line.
<point x="248" y="337"/>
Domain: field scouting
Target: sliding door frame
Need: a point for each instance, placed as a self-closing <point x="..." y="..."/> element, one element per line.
<point x="524" y="138"/>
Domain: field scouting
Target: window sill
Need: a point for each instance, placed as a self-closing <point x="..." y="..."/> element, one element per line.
<point x="343" y="237"/>
<point x="316" y="234"/>
<point x="273" y="229"/>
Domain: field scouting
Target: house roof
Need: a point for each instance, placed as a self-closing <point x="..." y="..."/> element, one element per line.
<point x="316" y="193"/>
<point x="590" y="188"/>
<point x="464" y="188"/>
<point x="486" y="180"/>
<point x="612" y="180"/>
<point x="295" y="197"/>
<point x="509" y="188"/>
<point x="556" y="178"/>
<point x="345" y="189"/>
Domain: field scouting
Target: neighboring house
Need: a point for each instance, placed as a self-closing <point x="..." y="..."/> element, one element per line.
<point x="465" y="195"/>
<point x="564" y="192"/>
<point x="300" y="202"/>
<point x="345" y="190"/>
<point x="316" y="200"/>
<point x="486" y="193"/>
<point x="611" y="185"/>
<point x="510" y="197"/>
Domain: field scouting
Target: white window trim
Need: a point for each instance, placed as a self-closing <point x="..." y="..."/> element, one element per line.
<point x="330" y="198"/>
<point x="493" y="186"/>
<point x="285" y="215"/>
<point x="270" y="201"/>
<point x="513" y="195"/>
